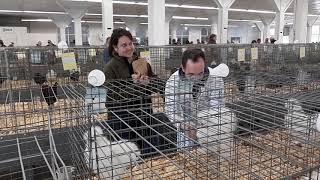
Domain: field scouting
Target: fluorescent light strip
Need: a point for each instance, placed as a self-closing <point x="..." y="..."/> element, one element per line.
<point x="243" y="20"/>
<point x="195" y="25"/>
<point x="31" y="12"/>
<point x="185" y="17"/>
<point x="252" y="10"/>
<point x="36" y="20"/>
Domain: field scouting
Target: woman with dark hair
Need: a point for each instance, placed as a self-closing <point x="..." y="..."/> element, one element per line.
<point x="212" y="39"/>
<point x="129" y="88"/>
<point x="121" y="50"/>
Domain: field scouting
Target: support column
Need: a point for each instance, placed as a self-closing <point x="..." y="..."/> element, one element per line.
<point x="167" y="28"/>
<point x="260" y="26"/>
<point x="194" y="34"/>
<point x="156" y="22"/>
<point x="173" y="31"/>
<point x="266" y="26"/>
<point x="132" y="24"/>
<point x="214" y="24"/>
<point x="291" y="35"/>
<point x="62" y="22"/>
<point x="76" y="11"/>
<point x="224" y="5"/>
<point x="311" y="22"/>
<point x="300" y="20"/>
<point x="78" y="31"/>
<point x="107" y="18"/>
<point x="282" y="6"/>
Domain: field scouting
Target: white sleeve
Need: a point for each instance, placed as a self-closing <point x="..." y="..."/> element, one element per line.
<point x="217" y="92"/>
<point x="172" y="108"/>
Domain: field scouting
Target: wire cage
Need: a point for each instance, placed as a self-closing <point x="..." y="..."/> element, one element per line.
<point x="260" y="122"/>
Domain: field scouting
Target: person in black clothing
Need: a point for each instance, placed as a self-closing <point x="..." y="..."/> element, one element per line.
<point x="129" y="101"/>
<point x="2" y="44"/>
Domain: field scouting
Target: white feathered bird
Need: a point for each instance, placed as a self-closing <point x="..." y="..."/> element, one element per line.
<point x="215" y="130"/>
<point x="298" y="122"/>
<point x="113" y="157"/>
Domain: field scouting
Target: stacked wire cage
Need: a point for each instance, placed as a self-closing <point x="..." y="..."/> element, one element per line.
<point x="259" y="122"/>
<point x="39" y="109"/>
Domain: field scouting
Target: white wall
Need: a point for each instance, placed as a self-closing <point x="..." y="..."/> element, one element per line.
<point x="37" y="32"/>
<point x="194" y="34"/>
<point x="245" y="32"/>
<point x="17" y="35"/>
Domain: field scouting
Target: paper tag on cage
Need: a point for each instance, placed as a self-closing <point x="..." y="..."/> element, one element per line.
<point x="302" y="52"/>
<point x="254" y="53"/>
<point x="241" y="54"/>
<point x="146" y="55"/>
<point x="92" y="52"/>
<point x="69" y="61"/>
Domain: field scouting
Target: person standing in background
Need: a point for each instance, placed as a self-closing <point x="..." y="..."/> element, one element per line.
<point x="266" y="41"/>
<point x="2" y="44"/>
<point x="39" y="44"/>
<point x="50" y="43"/>
<point x="259" y="41"/>
<point x="212" y="39"/>
<point x="106" y="56"/>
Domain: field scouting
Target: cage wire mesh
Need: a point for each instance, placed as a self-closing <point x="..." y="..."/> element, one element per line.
<point x="257" y="123"/>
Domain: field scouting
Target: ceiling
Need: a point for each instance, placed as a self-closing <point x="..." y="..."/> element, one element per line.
<point x="95" y="7"/>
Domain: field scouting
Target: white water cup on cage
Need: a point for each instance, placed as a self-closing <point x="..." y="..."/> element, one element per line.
<point x="222" y="70"/>
<point x="318" y="123"/>
<point x="96" y="78"/>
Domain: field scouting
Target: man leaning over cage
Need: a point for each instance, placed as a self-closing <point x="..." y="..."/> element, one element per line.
<point x="192" y="89"/>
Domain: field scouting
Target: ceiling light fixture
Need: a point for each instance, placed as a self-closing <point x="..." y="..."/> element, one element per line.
<point x="196" y="25"/>
<point x="36" y="20"/>
<point x="191" y="18"/>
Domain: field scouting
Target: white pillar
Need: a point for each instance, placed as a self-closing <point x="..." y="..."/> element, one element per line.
<point x="311" y="21"/>
<point x="156" y="22"/>
<point x="260" y="27"/>
<point x="61" y="21"/>
<point x="282" y="6"/>
<point x="279" y="26"/>
<point x="194" y="34"/>
<point x="266" y="26"/>
<point x="132" y="24"/>
<point x="309" y="33"/>
<point x="174" y="32"/>
<point x="167" y="29"/>
<point x="214" y="24"/>
<point x="300" y="20"/>
<point x="224" y="5"/>
<point x="76" y="11"/>
<point x="107" y="18"/>
<point x="291" y="35"/>
<point x="78" y="31"/>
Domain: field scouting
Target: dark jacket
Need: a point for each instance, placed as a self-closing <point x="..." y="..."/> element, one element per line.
<point x="106" y="56"/>
<point x="118" y="68"/>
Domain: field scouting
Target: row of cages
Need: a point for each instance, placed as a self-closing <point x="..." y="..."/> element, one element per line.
<point x="24" y="63"/>
<point x="260" y="122"/>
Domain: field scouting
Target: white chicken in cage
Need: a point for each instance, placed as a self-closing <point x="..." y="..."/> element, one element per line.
<point x="215" y="130"/>
<point x="109" y="159"/>
<point x="301" y="125"/>
<point x="298" y="122"/>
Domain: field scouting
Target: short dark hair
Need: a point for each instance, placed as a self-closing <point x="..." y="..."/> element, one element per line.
<point x="193" y="54"/>
<point x="116" y="35"/>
